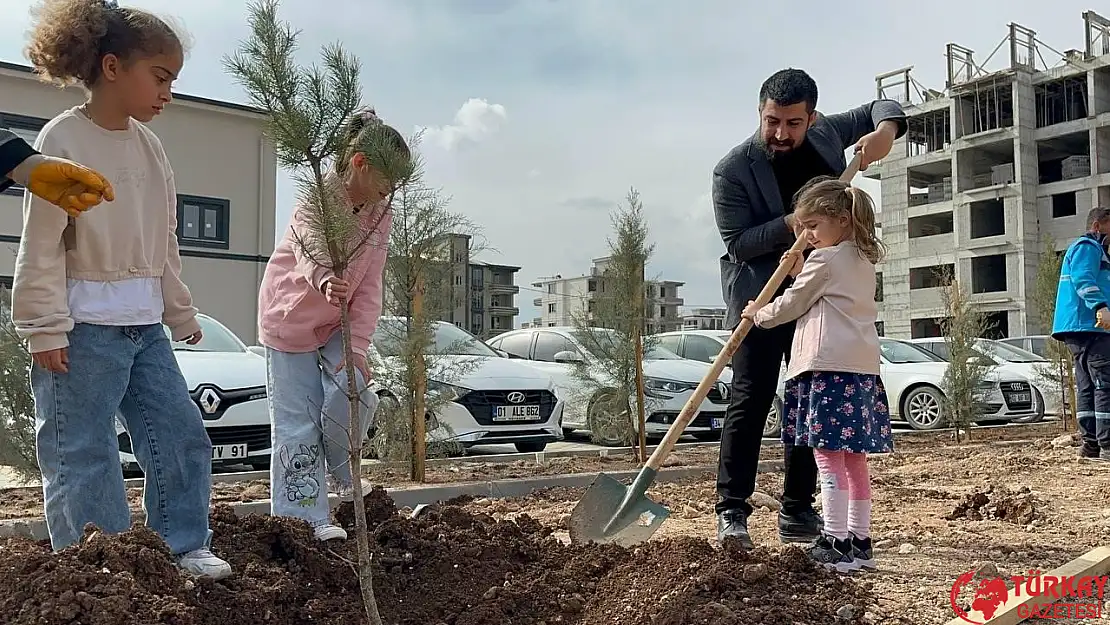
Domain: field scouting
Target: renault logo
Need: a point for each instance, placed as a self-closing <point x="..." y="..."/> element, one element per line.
<point x="209" y="401"/>
<point x="515" y="397"/>
<point x="722" y="388"/>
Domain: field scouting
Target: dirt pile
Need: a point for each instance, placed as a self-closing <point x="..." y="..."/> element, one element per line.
<point x="1020" y="507"/>
<point x="446" y="567"/>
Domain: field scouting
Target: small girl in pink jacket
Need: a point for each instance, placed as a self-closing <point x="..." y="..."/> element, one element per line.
<point x="835" y="402"/>
<point x="298" y="309"/>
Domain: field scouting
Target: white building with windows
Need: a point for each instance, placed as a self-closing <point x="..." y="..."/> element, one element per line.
<point x="564" y="300"/>
<point x="226" y="175"/>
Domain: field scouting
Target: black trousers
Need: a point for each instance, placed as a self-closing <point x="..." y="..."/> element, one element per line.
<point x="755" y="374"/>
<point x="1092" y="381"/>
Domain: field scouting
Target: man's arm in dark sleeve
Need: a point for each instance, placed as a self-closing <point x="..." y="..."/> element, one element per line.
<point x="13" y="151"/>
<point x="854" y="124"/>
<point x="744" y="238"/>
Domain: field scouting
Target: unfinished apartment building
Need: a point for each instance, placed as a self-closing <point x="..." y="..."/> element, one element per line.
<point x="991" y="170"/>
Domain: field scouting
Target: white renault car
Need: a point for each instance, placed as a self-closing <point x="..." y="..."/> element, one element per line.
<point x="227" y="380"/>
<point x="669" y="381"/>
<point x="481" y="397"/>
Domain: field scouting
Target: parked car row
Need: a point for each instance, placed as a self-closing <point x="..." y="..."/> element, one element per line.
<point x="526" y="387"/>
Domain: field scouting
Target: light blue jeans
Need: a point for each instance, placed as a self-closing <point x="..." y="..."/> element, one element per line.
<point x="131" y="369"/>
<point x="310" y="425"/>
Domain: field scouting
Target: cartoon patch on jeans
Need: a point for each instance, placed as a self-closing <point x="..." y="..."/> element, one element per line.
<point x="301" y="485"/>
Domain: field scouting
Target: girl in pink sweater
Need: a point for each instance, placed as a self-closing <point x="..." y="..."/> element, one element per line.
<point x="298" y="308"/>
<point x="835" y="402"/>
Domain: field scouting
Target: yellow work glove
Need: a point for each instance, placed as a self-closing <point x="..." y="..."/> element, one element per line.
<point x="64" y="183"/>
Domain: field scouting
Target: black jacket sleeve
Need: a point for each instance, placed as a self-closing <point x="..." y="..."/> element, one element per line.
<point x="744" y="237"/>
<point x="13" y="151"/>
<point x="854" y="124"/>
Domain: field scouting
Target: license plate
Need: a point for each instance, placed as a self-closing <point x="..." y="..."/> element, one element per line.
<point x="515" y="413"/>
<point x="229" y="452"/>
<point x="1020" y="397"/>
<point x="716" y="423"/>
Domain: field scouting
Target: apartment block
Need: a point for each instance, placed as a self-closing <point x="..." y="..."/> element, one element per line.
<point x="484" y="294"/>
<point x="564" y="300"/>
<point x="992" y="169"/>
<point x="704" y="319"/>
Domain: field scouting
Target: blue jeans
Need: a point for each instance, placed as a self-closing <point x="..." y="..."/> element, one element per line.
<point x="131" y="370"/>
<point x="310" y="425"/>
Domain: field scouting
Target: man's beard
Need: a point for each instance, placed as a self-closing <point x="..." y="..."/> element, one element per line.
<point x="772" y="154"/>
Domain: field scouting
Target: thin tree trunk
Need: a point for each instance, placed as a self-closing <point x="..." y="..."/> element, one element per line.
<point x="637" y="334"/>
<point x="354" y="447"/>
<point x="419" y="432"/>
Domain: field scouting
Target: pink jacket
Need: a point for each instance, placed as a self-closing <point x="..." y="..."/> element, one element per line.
<point x="833" y="299"/>
<point x="293" y="314"/>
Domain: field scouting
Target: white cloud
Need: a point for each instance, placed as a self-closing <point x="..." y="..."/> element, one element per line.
<point x="475" y="120"/>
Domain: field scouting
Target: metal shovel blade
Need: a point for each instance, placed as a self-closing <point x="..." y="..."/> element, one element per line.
<point x="611" y="512"/>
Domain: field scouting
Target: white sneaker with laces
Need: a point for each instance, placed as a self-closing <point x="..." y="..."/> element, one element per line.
<point x="203" y="563"/>
<point x="345" y="491"/>
<point x="330" y="532"/>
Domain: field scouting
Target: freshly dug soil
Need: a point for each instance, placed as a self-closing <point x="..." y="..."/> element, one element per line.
<point x="446" y="567"/>
<point x="1020" y="507"/>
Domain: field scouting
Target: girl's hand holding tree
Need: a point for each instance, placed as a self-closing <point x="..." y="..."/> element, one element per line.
<point x="335" y="290"/>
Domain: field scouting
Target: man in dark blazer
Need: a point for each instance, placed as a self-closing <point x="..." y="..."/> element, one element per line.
<point x="753" y="190"/>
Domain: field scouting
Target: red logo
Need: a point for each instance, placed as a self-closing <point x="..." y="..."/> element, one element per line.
<point x="1043" y="596"/>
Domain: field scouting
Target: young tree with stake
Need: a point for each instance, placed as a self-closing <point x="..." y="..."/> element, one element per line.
<point x="322" y="292"/>
<point x="964" y="377"/>
<point x="613" y="332"/>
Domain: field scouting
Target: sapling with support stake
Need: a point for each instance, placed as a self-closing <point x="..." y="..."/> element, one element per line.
<point x="307" y="110"/>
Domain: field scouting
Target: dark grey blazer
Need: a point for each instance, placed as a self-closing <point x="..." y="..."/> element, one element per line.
<point x="749" y="209"/>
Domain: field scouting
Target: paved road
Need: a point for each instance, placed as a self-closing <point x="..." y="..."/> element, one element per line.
<point x="579" y="441"/>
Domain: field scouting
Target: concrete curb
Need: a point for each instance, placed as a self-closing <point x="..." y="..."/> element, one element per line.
<point x="411" y="497"/>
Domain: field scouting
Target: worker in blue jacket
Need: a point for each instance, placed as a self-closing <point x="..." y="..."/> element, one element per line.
<point x="1082" y="322"/>
<point x="68" y="185"/>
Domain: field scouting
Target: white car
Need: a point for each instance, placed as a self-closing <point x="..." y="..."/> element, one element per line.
<point x="481" y="397"/>
<point x="1011" y="361"/>
<point x="669" y="381"/>
<point x="914" y="378"/>
<point x="227" y="380"/>
<point x="704" y="345"/>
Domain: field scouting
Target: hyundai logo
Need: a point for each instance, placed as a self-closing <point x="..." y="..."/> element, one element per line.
<point x="209" y="401"/>
<point x="515" y="397"/>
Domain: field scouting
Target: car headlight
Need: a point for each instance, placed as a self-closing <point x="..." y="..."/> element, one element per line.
<point x="441" y="391"/>
<point x="663" y="388"/>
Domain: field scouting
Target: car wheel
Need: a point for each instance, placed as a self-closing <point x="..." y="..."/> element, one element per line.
<point x="530" y="448"/>
<point x="1038" y="416"/>
<point x="923" y="408"/>
<point x="607" y="418"/>
<point x="772" y="427"/>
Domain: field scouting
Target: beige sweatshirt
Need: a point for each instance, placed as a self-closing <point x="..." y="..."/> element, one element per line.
<point x="131" y="237"/>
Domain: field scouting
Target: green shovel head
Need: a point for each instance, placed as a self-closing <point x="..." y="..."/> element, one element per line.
<point x="610" y="512"/>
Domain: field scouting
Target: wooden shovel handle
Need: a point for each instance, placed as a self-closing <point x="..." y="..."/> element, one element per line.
<point x="690" y="410"/>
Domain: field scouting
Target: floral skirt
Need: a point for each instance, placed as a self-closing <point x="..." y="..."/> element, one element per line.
<point x="837" y="411"/>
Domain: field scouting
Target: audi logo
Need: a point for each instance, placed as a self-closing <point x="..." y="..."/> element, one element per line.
<point x="515" y="397"/>
<point x="1017" y="386"/>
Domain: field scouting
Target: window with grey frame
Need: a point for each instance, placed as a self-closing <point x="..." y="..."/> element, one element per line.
<point x="26" y="128"/>
<point x="203" y="221"/>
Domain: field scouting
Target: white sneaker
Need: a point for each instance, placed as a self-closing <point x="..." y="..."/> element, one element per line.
<point x="330" y="532"/>
<point x="345" y="491"/>
<point x="203" y="563"/>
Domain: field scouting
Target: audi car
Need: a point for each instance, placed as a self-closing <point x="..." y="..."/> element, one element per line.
<point x="227" y="381"/>
<point x="477" y="396"/>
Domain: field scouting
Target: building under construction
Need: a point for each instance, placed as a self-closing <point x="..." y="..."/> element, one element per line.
<point x="991" y="171"/>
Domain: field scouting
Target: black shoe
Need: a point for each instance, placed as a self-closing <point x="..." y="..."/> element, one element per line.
<point x="734" y="524"/>
<point x="863" y="554"/>
<point x="1089" y="452"/>
<point x="833" y="554"/>
<point x="803" y="527"/>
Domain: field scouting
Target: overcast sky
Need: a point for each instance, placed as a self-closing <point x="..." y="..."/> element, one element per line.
<point x="542" y="113"/>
